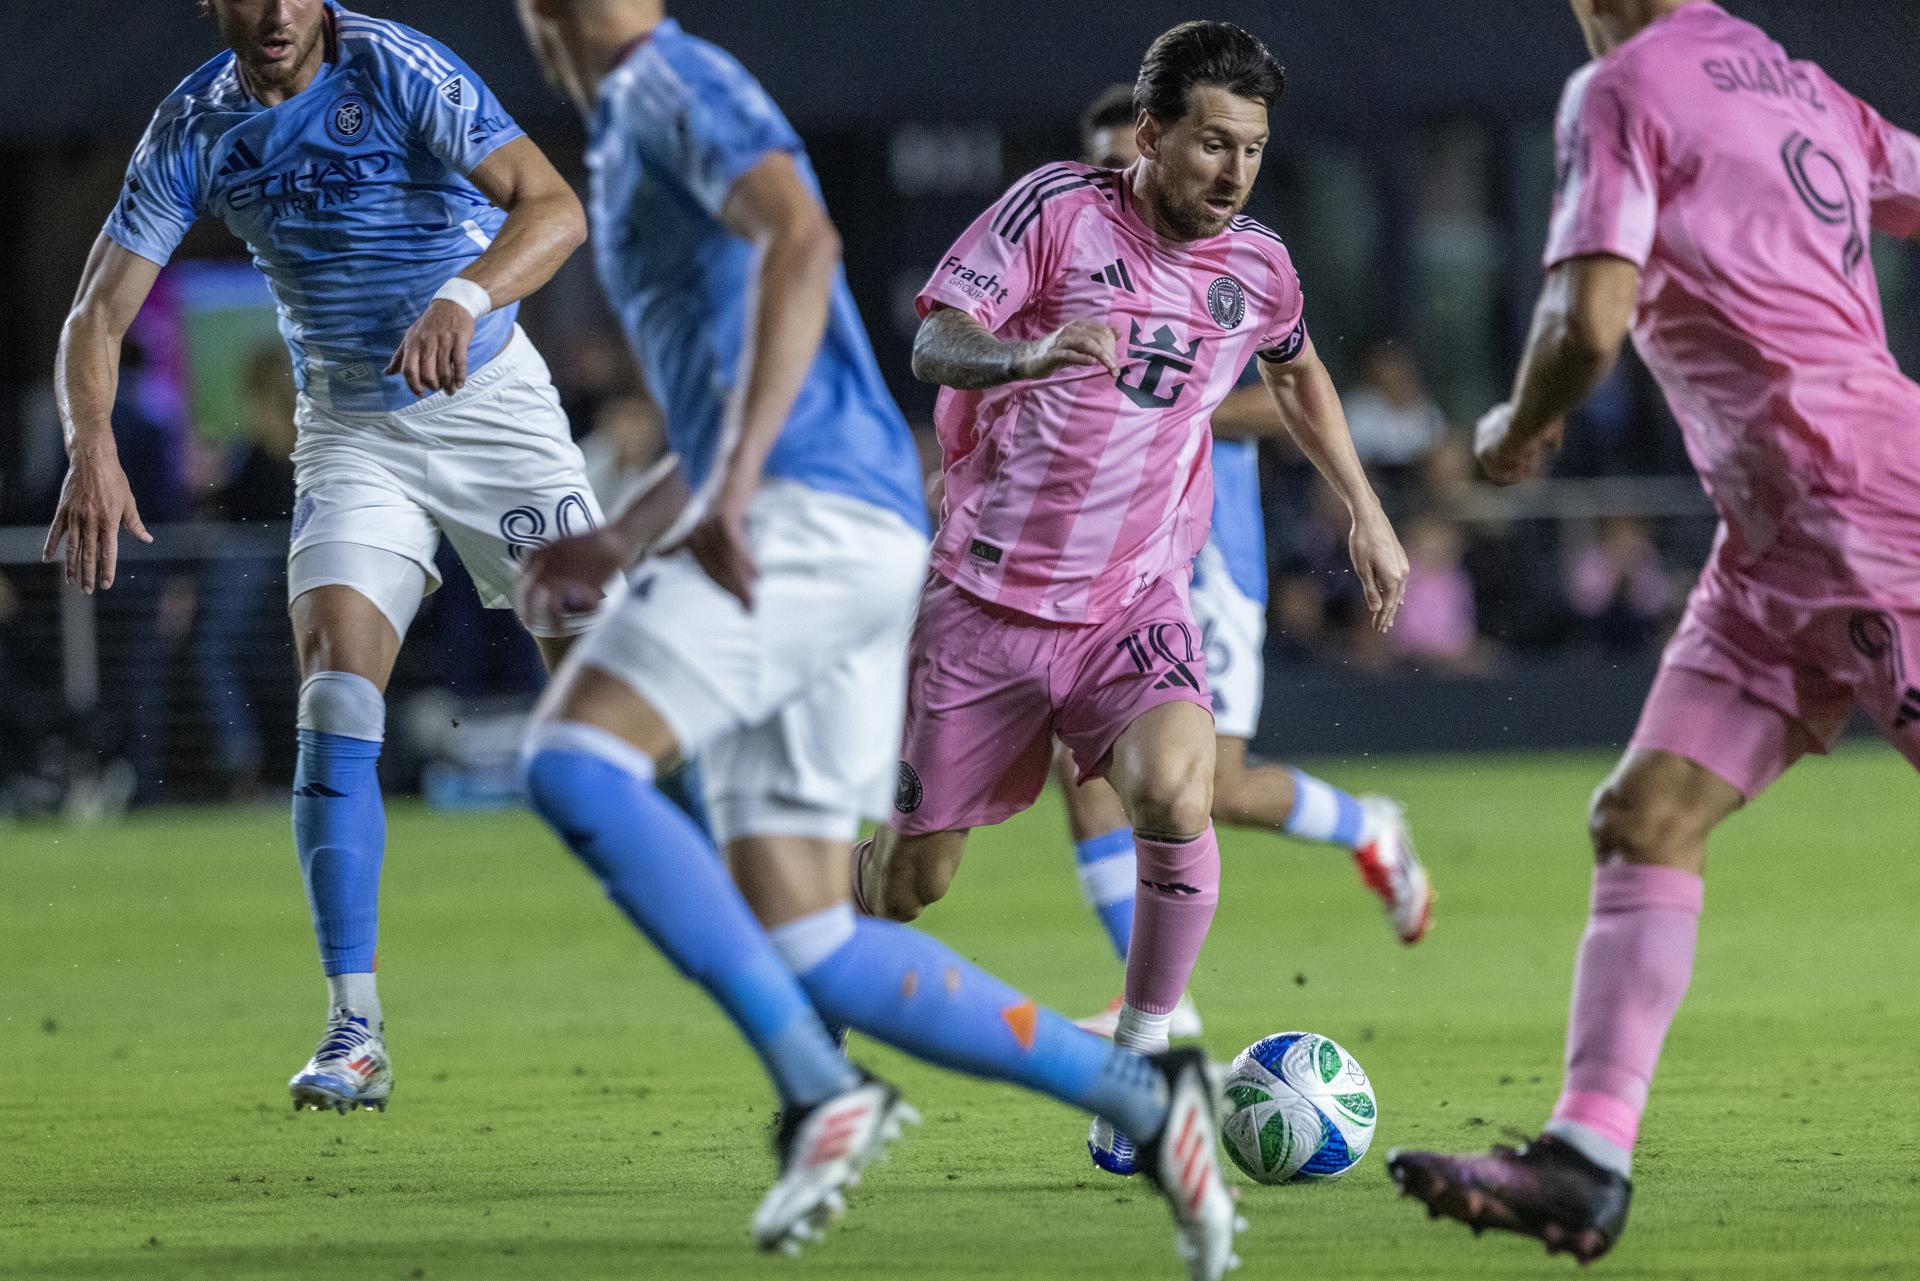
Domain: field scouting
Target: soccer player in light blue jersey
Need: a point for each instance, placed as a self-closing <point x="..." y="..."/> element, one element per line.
<point x="399" y="215"/>
<point x="765" y="633"/>
<point x="1230" y="605"/>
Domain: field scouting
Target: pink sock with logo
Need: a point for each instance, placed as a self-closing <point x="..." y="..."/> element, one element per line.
<point x="1172" y="908"/>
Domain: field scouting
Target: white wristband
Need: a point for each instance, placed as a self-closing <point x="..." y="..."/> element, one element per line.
<point x="465" y="293"/>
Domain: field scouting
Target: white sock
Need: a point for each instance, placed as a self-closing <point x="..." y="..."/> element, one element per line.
<point x="355" y="992"/>
<point x="1589" y="1143"/>
<point x="1138" y="1030"/>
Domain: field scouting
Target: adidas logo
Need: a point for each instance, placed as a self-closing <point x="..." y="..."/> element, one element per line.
<point x="240" y="160"/>
<point x="317" y="791"/>
<point x="1116" y="275"/>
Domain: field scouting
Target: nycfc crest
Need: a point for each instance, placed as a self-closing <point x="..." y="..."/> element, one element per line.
<point x="1227" y="301"/>
<point x="347" y="119"/>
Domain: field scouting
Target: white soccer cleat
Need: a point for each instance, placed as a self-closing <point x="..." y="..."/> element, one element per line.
<point x="1183" y="1025"/>
<point x="1392" y="870"/>
<point x="1184" y="1161"/>
<point x="349" y="1070"/>
<point x="822" y="1151"/>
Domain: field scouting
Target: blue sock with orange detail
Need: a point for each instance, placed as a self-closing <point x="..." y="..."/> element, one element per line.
<point x="917" y="994"/>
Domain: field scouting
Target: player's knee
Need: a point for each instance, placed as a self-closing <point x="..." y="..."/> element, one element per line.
<point x="342" y="704"/>
<point x="916" y="876"/>
<point x="1641" y="824"/>
<point x="1173" y="796"/>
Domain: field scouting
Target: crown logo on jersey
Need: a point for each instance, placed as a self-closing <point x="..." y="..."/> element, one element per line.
<point x="1160" y="351"/>
<point x="1116" y="275"/>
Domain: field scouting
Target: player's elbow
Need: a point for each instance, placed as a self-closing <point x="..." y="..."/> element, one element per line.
<point x="569" y="220"/>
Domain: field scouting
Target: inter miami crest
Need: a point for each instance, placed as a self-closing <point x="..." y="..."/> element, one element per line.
<point x="907" y="792"/>
<point x="1227" y="302"/>
<point x="347" y="119"/>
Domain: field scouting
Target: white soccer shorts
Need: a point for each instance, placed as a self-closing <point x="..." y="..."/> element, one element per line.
<point x="492" y="467"/>
<point x="1233" y="626"/>
<point x="795" y="709"/>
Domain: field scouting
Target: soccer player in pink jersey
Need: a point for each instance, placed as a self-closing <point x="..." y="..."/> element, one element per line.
<point x="1715" y="195"/>
<point x="1084" y="329"/>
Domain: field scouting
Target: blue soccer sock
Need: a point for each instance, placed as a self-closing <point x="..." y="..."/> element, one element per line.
<point x="1322" y="812"/>
<point x="597" y="791"/>
<point x="917" y="994"/>
<point x="339" y="824"/>
<point x="1107" y="877"/>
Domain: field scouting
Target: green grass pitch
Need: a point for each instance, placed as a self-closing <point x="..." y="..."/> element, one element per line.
<point x="568" y="1108"/>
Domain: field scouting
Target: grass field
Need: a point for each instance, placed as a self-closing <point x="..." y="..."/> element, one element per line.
<point x="567" y="1108"/>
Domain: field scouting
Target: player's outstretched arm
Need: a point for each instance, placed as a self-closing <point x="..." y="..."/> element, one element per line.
<point x="954" y="350"/>
<point x="569" y="575"/>
<point x="544" y="225"/>
<point x="1581" y="319"/>
<point x="1309" y="408"/>
<point x="95" y="501"/>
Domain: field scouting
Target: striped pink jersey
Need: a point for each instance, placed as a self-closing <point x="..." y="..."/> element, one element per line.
<point x="1069" y="496"/>
<point x="1746" y="184"/>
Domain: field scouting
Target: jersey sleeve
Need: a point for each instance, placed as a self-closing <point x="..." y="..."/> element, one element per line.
<point x="449" y="108"/>
<point x="995" y="267"/>
<point x="1893" y="159"/>
<point x="1605" y="200"/>
<point x="720" y="123"/>
<point x="1285" y="336"/>
<point x="160" y="197"/>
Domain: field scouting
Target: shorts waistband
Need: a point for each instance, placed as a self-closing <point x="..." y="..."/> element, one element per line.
<point x="510" y="360"/>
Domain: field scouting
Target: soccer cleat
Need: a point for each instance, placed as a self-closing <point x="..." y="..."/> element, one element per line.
<point x="349" y="1070"/>
<point x="1111" y="1150"/>
<point x="822" y="1150"/>
<point x="1184" y="1026"/>
<point x="1183" y="1160"/>
<point x="1546" y="1189"/>
<point x="1392" y="870"/>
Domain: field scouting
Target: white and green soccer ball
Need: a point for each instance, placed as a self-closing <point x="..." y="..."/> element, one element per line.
<point x="1299" y="1108"/>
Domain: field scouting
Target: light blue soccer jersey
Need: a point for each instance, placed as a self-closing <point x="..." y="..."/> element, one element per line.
<point x="677" y="123"/>
<point x="352" y="195"/>
<point x="1239" y="526"/>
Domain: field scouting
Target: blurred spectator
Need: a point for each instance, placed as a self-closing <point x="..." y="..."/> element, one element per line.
<point x="1394" y="421"/>
<point x="628" y="437"/>
<point x="1619" y="587"/>
<point x="595" y="366"/>
<point x="242" y="590"/>
<point x="1437" y="626"/>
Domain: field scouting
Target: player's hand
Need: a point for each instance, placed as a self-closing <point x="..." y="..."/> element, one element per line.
<point x="433" y="355"/>
<point x="1078" y="342"/>
<point x="568" y="576"/>
<point x="719" y="544"/>
<point x="1506" y="460"/>
<point x="1381" y="564"/>
<point x="95" y="502"/>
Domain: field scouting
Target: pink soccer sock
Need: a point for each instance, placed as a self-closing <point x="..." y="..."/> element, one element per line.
<point x="1172" y="908"/>
<point x="1635" y="961"/>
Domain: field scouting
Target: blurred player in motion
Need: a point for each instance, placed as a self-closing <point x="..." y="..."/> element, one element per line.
<point x="399" y="216"/>
<point x="1716" y="196"/>
<point x="765" y="634"/>
<point x="1084" y="330"/>
<point x="1229" y="593"/>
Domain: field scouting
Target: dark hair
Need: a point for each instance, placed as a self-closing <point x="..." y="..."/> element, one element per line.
<point x="1205" y="53"/>
<point x="1114" y="107"/>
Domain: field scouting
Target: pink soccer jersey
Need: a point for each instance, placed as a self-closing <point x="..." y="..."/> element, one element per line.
<point x="1745" y="184"/>
<point x="1067" y="497"/>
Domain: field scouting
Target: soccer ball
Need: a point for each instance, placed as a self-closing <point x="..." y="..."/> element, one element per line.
<point x="1299" y="1108"/>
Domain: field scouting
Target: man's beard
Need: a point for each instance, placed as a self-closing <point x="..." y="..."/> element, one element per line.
<point x="274" y="75"/>
<point x="1193" y="221"/>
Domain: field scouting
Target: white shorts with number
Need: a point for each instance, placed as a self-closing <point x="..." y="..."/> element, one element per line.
<point x="492" y="467"/>
<point x="1233" y="627"/>
<point x="794" y="710"/>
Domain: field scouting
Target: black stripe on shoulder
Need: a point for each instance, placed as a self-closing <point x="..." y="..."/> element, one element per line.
<point x="1025" y="188"/>
<point x="1039" y="199"/>
<point x="1256" y="228"/>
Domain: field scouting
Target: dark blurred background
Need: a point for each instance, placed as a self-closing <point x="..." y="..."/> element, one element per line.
<point x="1410" y="174"/>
